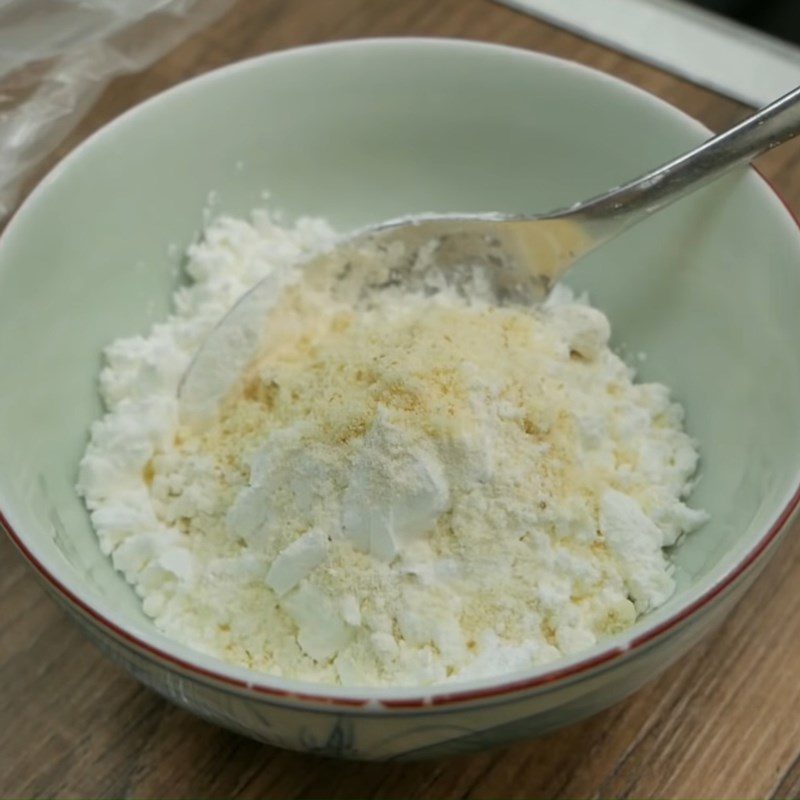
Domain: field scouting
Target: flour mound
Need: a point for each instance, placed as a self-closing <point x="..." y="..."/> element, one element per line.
<point x="411" y="489"/>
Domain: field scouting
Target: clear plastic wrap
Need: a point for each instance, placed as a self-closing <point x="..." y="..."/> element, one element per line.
<point x="56" y="56"/>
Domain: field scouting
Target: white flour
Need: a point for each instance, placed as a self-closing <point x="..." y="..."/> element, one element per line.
<point x="421" y="490"/>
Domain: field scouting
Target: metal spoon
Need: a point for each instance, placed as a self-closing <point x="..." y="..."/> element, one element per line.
<point x="522" y="255"/>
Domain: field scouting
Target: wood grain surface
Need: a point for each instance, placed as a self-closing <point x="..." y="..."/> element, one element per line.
<point x="724" y="723"/>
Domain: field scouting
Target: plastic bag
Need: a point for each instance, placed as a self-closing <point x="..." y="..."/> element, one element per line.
<point x="57" y="56"/>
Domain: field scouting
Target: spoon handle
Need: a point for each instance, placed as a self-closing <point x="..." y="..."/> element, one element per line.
<point x="610" y="213"/>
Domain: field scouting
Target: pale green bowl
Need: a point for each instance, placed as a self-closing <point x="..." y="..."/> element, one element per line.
<point x="357" y="132"/>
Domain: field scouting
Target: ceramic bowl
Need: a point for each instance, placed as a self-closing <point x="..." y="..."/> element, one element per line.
<point x="358" y="132"/>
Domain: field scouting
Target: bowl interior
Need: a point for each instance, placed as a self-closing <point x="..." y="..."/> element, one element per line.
<point x="359" y="132"/>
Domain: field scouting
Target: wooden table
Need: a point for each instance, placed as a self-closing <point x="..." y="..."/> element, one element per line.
<point x="724" y="723"/>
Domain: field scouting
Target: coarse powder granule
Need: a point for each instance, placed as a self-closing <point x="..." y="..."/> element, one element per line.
<point x="423" y="487"/>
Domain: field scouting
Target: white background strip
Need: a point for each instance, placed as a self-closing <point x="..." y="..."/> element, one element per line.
<point x="703" y="47"/>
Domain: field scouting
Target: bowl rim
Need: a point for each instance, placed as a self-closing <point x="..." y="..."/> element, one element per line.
<point x="263" y="685"/>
